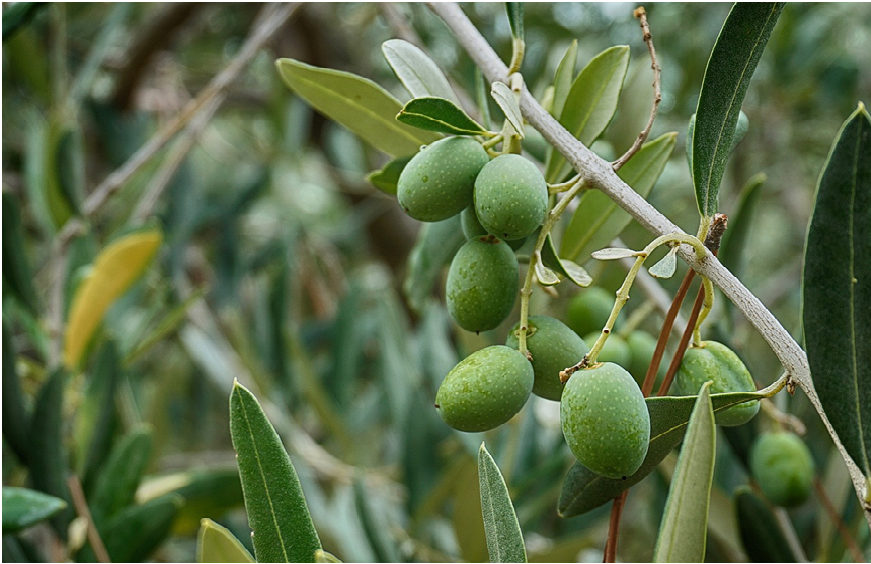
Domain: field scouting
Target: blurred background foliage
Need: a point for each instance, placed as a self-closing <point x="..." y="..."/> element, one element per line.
<point x="283" y="267"/>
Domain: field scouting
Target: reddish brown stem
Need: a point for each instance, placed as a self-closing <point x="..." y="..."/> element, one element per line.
<point x="614" y="527"/>
<point x="81" y="505"/>
<point x="650" y="377"/>
<point x="684" y="343"/>
<point x="846" y="536"/>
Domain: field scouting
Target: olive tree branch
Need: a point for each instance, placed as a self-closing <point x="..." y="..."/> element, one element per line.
<point x="599" y="174"/>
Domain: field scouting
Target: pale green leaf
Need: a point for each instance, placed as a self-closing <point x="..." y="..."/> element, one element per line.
<point x="546" y="276"/>
<point x="24" y="508"/>
<point x="509" y="105"/>
<point x="563" y="267"/>
<point x="562" y="80"/>
<point x="504" y="538"/>
<point x="614" y="253"/>
<point x="217" y="544"/>
<point x="417" y="72"/>
<point x="386" y="179"/>
<point x="438" y="114"/>
<point x="666" y="266"/>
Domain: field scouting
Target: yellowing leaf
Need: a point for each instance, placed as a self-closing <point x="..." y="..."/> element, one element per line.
<point x="114" y="271"/>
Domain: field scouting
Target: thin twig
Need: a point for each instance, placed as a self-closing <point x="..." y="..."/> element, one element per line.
<point x="600" y="174"/>
<point x="846" y="535"/>
<point x="683" y="344"/>
<point x="84" y="512"/>
<point x="641" y="14"/>
<point x="673" y="312"/>
<point x="614" y="527"/>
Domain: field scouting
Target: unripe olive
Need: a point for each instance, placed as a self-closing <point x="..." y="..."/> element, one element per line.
<point x="485" y="390"/>
<point x="510" y="197"/>
<point x="642" y="346"/>
<point x="605" y="420"/>
<point x="784" y="468"/>
<point x="716" y="362"/>
<point x="482" y="283"/>
<point x="589" y="310"/>
<point x="615" y="350"/>
<point x="554" y="347"/>
<point x="438" y="182"/>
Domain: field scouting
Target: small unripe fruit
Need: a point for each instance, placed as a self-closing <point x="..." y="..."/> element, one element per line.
<point x="482" y="284"/>
<point x="782" y="465"/>
<point x="472" y="228"/>
<point x="615" y="350"/>
<point x="605" y="420"/>
<point x="716" y="362"/>
<point x="642" y="346"/>
<point x="554" y="347"/>
<point x="510" y="197"/>
<point x="589" y="310"/>
<point x="485" y="390"/>
<point x="438" y="182"/>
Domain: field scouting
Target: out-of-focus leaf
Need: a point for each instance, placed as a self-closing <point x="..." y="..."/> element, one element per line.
<point x="357" y="103"/>
<point x="102" y="46"/>
<point x="96" y="418"/>
<point x="468" y="521"/>
<point x="116" y="484"/>
<point x="15" y="415"/>
<point x="481" y="98"/>
<point x="208" y="491"/>
<point x="562" y="80"/>
<point x="733" y="61"/>
<point x="436" y="245"/>
<point x="396" y="365"/>
<point x="65" y="173"/>
<point x="683" y="531"/>
<point x="510" y="106"/>
<point x="17" y="15"/>
<point x="325" y="557"/>
<point x="417" y="72"/>
<point x="515" y="18"/>
<point x="735" y="239"/>
<point x="27" y="56"/>
<point x="217" y="544"/>
<point x="167" y="326"/>
<point x="590" y="103"/>
<point x="387" y="178"/>
<point x="116" y="268"/>
<point x="761" y="534"/>
<point x="597" y="221"/>
<point x="24" y="508"/>
<point x="438" y="114"/>
<point x="48" y="457"/>
<point x="836" y="289"/>
<point x="584" y="490"/>
<point x="504" y="538"/>
<point x="137" y="531"/>
<point x="277" y="512"/>
<point x="374" y="525"/>
<point x="17" y="276"/>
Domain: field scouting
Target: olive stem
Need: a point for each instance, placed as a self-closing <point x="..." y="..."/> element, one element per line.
<point x="563" y="186"/>
<point x="707" y="306"/>
<point x="493" y="141"/>
<point x="518" y="49"/>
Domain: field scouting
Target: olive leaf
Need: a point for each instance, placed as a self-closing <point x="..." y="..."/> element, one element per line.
<point x="836" y="288"/>
<point x="684" y="528"/>
<point x="417" y="72"/>
<point x="760" y="531"/>
<point x="741" y="129"/>
<point x="735" y="239"/>
<point x="438" y="114"/>
<point x="507" y="102"/>
<point x="733" y="60"/>
<point x="436" y="245"/>
<point x="23" y="507"/>
<point x="217" y="544"/>
<point x="515" y="18"/>
<point x="666" y="266"/>
<point x="564" y="267"/>
<point x="614" y="253"/>
<point x="15" y="413"/>
<point x="546" y="276"/>
<point x="562" y="79"/>
<point x="119" y="478"/>
<point x="386" y="178"/>
<point x="17" y="274"/>
<point x="357" y="103"/>
<point x="504" y="538"/>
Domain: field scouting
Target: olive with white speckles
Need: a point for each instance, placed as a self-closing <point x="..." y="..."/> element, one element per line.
<point x="605" y="420"/>
<point x="553" y="347"/>
<point x="482" y="283"/>
<point x="438" y="182"/>
<point x="485" y="390"/>
<point x="510" y="197"/>
<point x="716" y="362"/>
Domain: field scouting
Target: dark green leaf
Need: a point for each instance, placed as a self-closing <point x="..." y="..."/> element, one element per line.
<point x="590" y="103"/>
<point x="15" y="415"/>
<point x="740" y="221"/>
<point x="19" y="14"/>
<point x="436" y="245"/>
<point x="210" y="491"/>
<point x="597" y="221"/>
<point x="357" y="103"/>
<point x="683" y="531"/>
<point x="97" y="417"/>
<point x="418" y="73"/>
<point x="24" y="508"/>
<point x="277" y="513"/>
<point x="562" y="79"/>
<point x="836" y="289"/>
<point x="583" y="490"/>
<point x="137" y="531"/>
<point x="438" y="114"/>
<point x="564" y="268"/>
<point x="733" y="61"/>
<point x="17" y="276"/>
<point x="515" y="18"/>
<point x="167" y="326"/>
<point x="481" y="98"/>
<point x="761" y="534"/>
<point x="120" y="476"/>
<point x="217" y="544"/>
<point x="387" y="178"/>
<point x="504" y="538"/>
<point x="374" y="525"/>
<point x="740" y="131"/>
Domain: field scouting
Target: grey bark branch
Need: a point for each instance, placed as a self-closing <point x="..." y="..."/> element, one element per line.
<point x="599" y="174"/>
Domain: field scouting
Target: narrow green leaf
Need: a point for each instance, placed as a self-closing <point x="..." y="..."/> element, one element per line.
<point x="97" y="416"/>
<point x="277" y="512"/>
<point x="590" y="103"/>
<point x="210" y="491"/>
<point x="374" y="525"/>
<point x="117" y="482"/>
<point x="761" y="533"/>
<point x="481" y="98"/>
<point x="666" y="266"/>
<point x="515" y="18"/>
<point x="598" y="220"/>
<point x="564" y="267"/>
<point x="614" y="253"/>
<point x="24" y="508"/>
<point x="584" y="491"/>
<point x="740" y="222"/>
<point x="15" y="415"/>
<point x="17" y="275"/>
<point x="836" y="290"/>
<point x="562" y="79"/>
<point x="733" y="61"/>
<point x="417" y="72"/>
<point x="357" y="103"/>
<point x="436" y="245"/>
<point x="217" y="544"/>
<point x="137" y="531"/>
<point x="740" y="131"/>
<point x="504" y="538"/>
<point x="386" y="179"/>
<point x="510" y="106"/>
<point x="167" y="326"/>
<point x="438" y="114"/>
<point x="684" y="528"/>
<point x="17" y="15"/>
